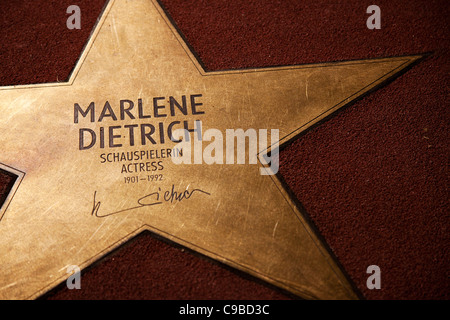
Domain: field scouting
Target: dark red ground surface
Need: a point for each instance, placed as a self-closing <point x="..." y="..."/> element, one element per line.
<point x="374" y="178"/>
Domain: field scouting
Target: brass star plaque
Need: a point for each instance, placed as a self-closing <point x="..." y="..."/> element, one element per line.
<point x="92" y="158"/>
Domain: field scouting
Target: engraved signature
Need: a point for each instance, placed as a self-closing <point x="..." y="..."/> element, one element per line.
<point x="154" y="198"/>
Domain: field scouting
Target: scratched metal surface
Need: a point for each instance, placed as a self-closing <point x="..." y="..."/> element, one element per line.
<point x="69" y="208"/>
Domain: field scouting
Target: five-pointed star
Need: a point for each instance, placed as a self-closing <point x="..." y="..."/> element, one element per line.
<point x="247" y="221"/>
